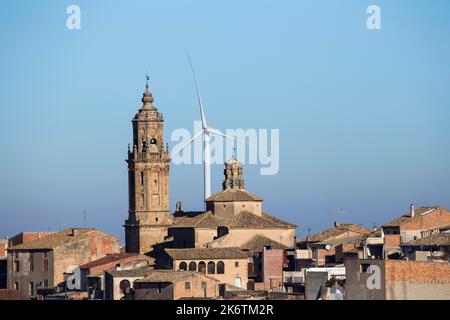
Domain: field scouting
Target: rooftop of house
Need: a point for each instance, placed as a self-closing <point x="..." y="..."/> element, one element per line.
<point x="439" y="239"/>
<point x="376" y="233"/>
<point x="206" y="253"/>
<point x="229" y="195"/>
<point x="243" y="220"/>
<point x="55" y="240"/>
<point x="337" y="230"/>
<point x="258" y="242"/>
<point x="357" y="240"/>
<point x="171" y="276"/>
<point x="419" y="213"/>
<point x="109" y="258"/>
<point x="133" y="273"/>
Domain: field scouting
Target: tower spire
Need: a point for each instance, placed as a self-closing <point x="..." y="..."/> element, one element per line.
<point x="146" y="83"/>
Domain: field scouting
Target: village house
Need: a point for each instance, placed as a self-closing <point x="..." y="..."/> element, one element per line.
<point x="410" y="226"/>
<point x="92" y="273"/>
<point x="227" y="265"/>
<point x="370" y="279"/>
<point x="266" y="262"/>
<point x="321" y="246"/>
<point x="119" y="283"/>
<point x="434" y="247"/>
<point x="175" y="285"/>
<point x="45" y="262"/>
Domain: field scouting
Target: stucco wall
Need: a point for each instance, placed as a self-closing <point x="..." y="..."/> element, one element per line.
<point x="231" y="270"/>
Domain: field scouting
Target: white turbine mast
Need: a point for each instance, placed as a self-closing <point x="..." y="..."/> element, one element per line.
<point x="205" y="132"/>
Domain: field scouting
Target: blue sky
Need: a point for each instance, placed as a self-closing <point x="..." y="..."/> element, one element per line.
<point x="363" y="115"/>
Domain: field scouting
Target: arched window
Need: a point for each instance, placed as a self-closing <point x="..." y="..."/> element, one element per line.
<point x="192" y="266"/>
<point x="124" y="286"/>
<point x="211" y="267"/>
<point x="220" y="267"/>
<point x="182" y="266"/>
<point x="202" y="267"/>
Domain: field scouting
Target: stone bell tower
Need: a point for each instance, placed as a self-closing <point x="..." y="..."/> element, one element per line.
<point x="148" y="180"/>
<point x="233" y="175"/>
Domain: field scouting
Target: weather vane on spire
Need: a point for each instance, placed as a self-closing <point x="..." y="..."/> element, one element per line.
<point x="148" y="78"/>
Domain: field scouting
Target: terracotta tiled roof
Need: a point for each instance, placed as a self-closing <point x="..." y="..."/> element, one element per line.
<point x="138" y="272"/>
<point x="171" y="276"/>
<point x="419" y="213"/>
<point x="346" y="240"/>
<point x="233" y="195"/>
<point x="114" y="257"/>
<point x="243" y="220"/>
<point x="265" y="221"/>
<point x="336" y="231"/>
<point x="439" y="239"/>
<point x="259" y="241"/>
<point x="206" y="253"/>
<point x="56" y="239"/>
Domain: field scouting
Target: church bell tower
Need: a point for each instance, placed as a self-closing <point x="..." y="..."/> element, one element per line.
<point x="148" y="180"/>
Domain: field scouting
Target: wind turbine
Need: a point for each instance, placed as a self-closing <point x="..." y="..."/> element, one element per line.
<point x="206" y="132"/>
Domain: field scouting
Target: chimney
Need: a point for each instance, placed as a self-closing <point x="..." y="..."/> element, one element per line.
<point x="411" y="210"/>
<point x="178" y="207"/>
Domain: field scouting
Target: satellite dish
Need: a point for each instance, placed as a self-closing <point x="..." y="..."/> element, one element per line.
<point x="327" y="247"/>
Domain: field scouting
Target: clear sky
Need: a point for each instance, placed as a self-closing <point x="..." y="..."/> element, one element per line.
<point x="363" y="115"/>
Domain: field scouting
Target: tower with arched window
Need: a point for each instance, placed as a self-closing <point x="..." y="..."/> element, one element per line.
<point x="148" y="180"/>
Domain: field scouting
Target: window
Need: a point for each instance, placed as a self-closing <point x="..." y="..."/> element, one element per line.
<point x="204" y="285"/>
<point x="31" y="262"/>
<point x="192" y="266"/>
<point x="211" y="267"/>
<point x="220" y="267"/>
<point x="144" y="146"/>
<point x="31" y="289"/>
<point x="187" y="285"/>
<point x="142" y="178"/>
<point x="45" y="283"/>
<point x="142" y="200"/>
<point x="124" y="286"/>
<point x="16" y="266"/>
<point x="45" y="265"/>
<point x="182" y="266"/>
<point x="237" y="282"/>
<point x="236" y="264"/>
<point x="202" y="267"/>
<point x="16" y="286"/>
<point x="364" y="267"/>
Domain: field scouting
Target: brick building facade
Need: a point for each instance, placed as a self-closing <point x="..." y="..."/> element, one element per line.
<point x="398" y="280"/>
<point x="45" y="262"/>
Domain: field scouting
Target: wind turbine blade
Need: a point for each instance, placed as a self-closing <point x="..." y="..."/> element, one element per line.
<point x="202" y="113"/>
<point x="187" y="143"/>
<point x="217" y="132"/>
